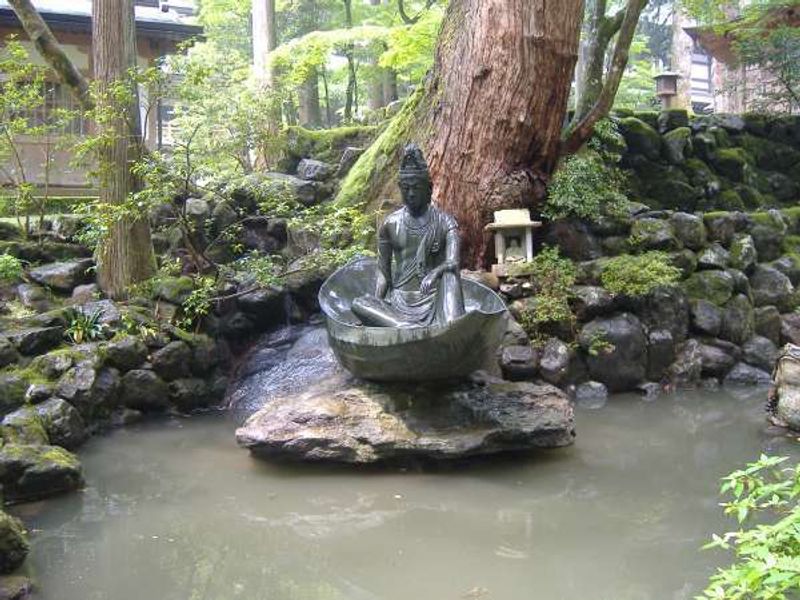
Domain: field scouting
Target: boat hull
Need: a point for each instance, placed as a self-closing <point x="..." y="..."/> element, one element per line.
<point x="413" y="353"/>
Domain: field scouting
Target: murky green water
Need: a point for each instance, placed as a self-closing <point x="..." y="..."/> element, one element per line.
<point x="176" y="511"/>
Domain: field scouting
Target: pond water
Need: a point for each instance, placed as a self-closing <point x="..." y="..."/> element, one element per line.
<point x="175" y="511"/>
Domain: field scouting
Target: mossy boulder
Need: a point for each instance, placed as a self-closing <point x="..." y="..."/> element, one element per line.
<point x="772" y="288"/>
<point x="143" y="390"/>
<point x="685" y="260"/>
<point x="704" y="145"/>
<point x="705" y="317"/>
<point x="8" y="353"/>
<point x="124" y="353"/>
<point x="678" y="145"/>
<point x="641" y="138"/>
<point x="653" y="234"/>
<point x="14" y="545"/>
<point x="689" y="229"/>
<point x="743" y="253"/>
<point x="32" y="472"/>
<point x="93" y="390"/>
<point x="733" y="163"/>
<point x="63" y="276"/>
<point x="738" y="320"/>
<point x="713" y="257"/>
<point x="789" y="265"/>
<point x="755" y="123"/>
<point x="714" y="286"/>
<point x="24" y="426"/>
<point x="63" y="423"/>
<point x="673" y="118"/>
<point x="616" y="351"/>
<point x="12" y="390"/>
<point x="751" y="198"/>
<point x="325" y="144"/>
<point x="768" y="323"/>
<point x="175" y="290"/>
<point x="729" y="200"/>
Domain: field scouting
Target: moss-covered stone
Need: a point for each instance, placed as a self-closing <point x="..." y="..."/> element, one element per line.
<point x="174" y="289"/>
<point x="653" y="234"/>
<point x="14" y="545"/>
<point x="738" y="320"/>
<point x="733" y="163"/>
<point x="729" y="200"/>
<point x="24" y="426"/>
<point x="326" y="144"/>
<point x="714" y="286"/>
<point x="751" y="198"/>
<point x="721" y="136"/>
<point x="32" y="472"/>
<point x="705" y="145"/>
<point x="755" y="123"/>
<point x="743" y="253"/>
<point x="678" y="145"/>
<point x="672" y="118"/>
<point x="689" y="229"/>
<point x="648" y="116"/>
<point x="685" y="260"/>
<point x="641" y="138"/>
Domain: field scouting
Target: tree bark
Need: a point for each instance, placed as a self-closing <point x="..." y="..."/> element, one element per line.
<point x="308" y="95"/>
<point x="265" y="38"/>
<point x="126" y="254"/>
<point x="350" y="93"/>
<point x="50" y="50"/>
<point x="490" y="116"/>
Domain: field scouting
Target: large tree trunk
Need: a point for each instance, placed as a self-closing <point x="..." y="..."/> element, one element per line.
<point x="265" y="38"/>
<point x="490" y="116"/>
<point x="126" y="255"/>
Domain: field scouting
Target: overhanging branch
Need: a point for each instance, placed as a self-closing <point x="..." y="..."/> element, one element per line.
<point x="51" y="51"/>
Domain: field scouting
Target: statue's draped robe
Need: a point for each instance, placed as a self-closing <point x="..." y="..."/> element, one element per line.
<point x="415" y="251"/>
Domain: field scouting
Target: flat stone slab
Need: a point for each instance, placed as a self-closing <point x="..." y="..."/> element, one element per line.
<point x="341" y="419"/>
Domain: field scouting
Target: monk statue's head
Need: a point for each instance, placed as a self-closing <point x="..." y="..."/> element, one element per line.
<point x="415" y="181"/>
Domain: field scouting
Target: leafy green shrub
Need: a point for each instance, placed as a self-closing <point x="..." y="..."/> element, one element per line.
<point x="767" y="556"/>
<point x="552" y="276"/>
<point x="585" y="186"/>
<point x="85" y="327"/>
<point x="637" y="275"/>
<point x="10" y="268"/>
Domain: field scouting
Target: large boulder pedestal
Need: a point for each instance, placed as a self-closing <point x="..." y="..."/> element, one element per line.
<point x="352" y="421"/>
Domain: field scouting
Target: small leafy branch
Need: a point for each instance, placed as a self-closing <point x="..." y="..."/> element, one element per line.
<point x="766" y="556"/>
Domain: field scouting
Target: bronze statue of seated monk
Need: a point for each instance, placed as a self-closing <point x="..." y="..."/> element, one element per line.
<point x="419" y="281"/>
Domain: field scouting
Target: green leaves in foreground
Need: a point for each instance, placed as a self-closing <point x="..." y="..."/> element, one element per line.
<point x="767" y="556"/>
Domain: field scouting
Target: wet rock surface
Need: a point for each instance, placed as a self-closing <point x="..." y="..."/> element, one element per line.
<point x="345" y="420"/>
<point x="321" y="413"/>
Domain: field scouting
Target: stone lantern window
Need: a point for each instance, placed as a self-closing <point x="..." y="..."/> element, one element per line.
<point x="513" y="238"/>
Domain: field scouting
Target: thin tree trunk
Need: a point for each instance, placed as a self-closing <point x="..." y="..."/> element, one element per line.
<point x="582" y="131"/>
<point x="51" y="51"/>
<point x="350" y="94"/>
<point x="126" y="255"/>
<point x="389" y="86"/>
<point x="598" y="29"/>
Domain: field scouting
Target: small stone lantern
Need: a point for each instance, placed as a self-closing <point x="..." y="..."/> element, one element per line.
<point x="667" y="87"/>
<point x="513" y="238"/>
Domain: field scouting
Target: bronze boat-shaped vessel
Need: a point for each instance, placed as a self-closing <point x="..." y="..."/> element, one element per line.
<point x="413" y="353"/>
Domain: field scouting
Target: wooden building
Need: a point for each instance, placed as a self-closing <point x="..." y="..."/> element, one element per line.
<point x="160" y="27"/>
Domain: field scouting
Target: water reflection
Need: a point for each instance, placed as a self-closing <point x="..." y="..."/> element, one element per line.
<point x="175" y="511"/>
